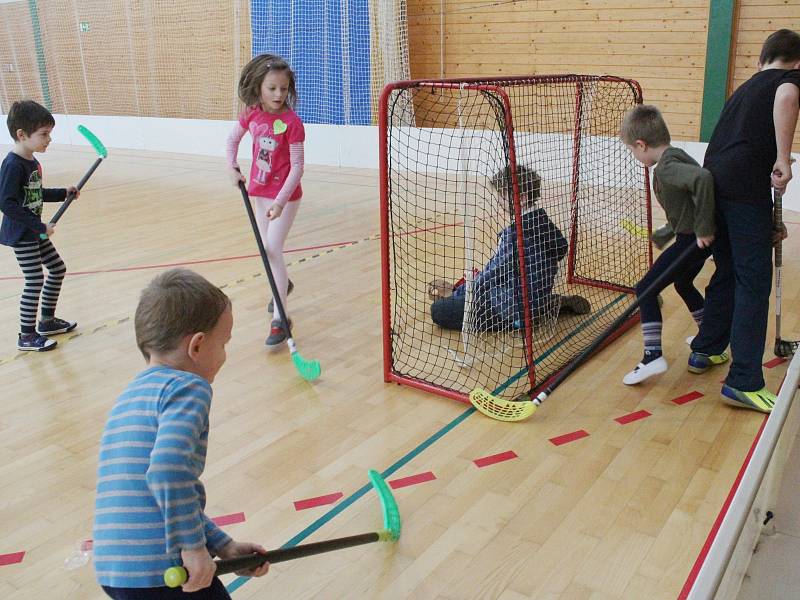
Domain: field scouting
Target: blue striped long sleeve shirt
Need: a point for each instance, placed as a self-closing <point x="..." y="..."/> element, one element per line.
<point x="149" y="502"/>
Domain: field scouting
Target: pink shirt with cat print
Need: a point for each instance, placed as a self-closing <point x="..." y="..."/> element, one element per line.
<point x="272" y="134"/>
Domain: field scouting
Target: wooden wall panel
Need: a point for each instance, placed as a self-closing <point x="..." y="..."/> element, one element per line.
<point x="661" y="44"/>
<point x="142" y="58"/>
<point x="19" y="71"/>
<point x="757" y="19"/>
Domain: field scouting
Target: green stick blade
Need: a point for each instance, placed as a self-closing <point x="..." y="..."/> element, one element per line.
<point x="308" y="369"/>
<point x="93" y="140"/>
<point x="391" y="513"/>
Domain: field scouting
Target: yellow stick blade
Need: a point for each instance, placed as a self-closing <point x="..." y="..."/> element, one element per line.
<point x="633" y="228"/>
<point x="499" y="408"/>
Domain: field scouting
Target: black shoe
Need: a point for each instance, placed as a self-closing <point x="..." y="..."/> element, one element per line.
<point x="577" y="305"/>
<point x="271" y="305"/>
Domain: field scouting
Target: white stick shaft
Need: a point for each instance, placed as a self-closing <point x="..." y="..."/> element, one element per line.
<point x="778" y="220"/>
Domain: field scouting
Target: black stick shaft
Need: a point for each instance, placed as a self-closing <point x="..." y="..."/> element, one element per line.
<point x="263" y="251"/>
<point x="581" y="358"/>
<point x="70" y="197"/>
<point x="252" y="561"/>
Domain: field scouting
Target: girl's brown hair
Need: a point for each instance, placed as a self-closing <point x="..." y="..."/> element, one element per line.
<point x="253" y="76"/>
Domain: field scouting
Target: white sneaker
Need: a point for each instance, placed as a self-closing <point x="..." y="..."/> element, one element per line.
<point x="689" y="340"/>
<point x="644" y="371"/>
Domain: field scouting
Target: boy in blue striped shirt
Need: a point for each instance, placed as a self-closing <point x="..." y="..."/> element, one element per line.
<point x="149" y="504"/>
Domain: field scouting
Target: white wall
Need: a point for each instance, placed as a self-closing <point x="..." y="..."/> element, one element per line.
<point x="332" y="145"/>
<point x="329" y="145"/>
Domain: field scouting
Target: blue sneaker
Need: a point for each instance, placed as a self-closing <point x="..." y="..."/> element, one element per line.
<point x="55" y="326"/>
<point x="761" y="400"/>
<point x="33" y="342"/>
<point x="700" y="363"/>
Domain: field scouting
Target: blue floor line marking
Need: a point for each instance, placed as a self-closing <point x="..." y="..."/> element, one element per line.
<point x="524" y="371"/>
<point x="240" y="581"/>
<point x="350" y="500"/>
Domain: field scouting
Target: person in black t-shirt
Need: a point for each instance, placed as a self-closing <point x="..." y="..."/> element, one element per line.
<point x="748" y="153"/>
<point x="21" y="197"/>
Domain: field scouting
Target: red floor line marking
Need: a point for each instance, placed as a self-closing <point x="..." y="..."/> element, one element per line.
<point x="183" y="262"/>
<point x="701" y="558"/>
<point x="771" y="364"/>
<point x="426" y="229"/>
<point x="318" y="501"/>
<point x="11" y="559"/>
<point x="568" y="437"/>
<point x="634" y="416"/>
<point x="223" y="259"/>
<point x="687" y="398"/>
<point x="494" y="459"/>
<point x="412" y="480"/>
<point x="231" y="519"/>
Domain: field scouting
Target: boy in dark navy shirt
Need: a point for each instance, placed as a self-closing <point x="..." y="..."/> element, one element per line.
<point x="748" y="153"/>
<point x="21" y="197"/>
<point x="497" y="293"/>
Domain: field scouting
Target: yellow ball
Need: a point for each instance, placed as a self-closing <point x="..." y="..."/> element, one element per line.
<point x="175" y="577"/>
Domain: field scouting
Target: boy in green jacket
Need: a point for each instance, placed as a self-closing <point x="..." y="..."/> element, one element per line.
<point x="686" y="192"/>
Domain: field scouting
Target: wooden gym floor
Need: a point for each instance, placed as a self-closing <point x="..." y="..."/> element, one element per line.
<point x="620" y="513"/>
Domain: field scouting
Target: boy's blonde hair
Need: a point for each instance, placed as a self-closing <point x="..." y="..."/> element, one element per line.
<point x="528" y="181"/>
<point x="644" y="123"/>
<point x="176" y="304"/>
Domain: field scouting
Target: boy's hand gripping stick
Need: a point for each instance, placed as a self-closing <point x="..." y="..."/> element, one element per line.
<point x="101" y="154"/>
<point x="177" y="576"/>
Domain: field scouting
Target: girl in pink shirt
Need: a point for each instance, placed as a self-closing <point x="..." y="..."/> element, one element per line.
<point x="267" y="88"/>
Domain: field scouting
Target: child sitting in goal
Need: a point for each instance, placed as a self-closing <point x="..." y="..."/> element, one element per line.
<point x="149" y="505"/>
<point x="496" y="291"/>
<point x="686" y="192"/>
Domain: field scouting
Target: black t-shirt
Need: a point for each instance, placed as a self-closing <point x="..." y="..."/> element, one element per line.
<point x="742" y="150"/>
<point x="21" y="197"/>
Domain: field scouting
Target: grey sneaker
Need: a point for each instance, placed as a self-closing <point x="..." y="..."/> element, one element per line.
<point x="277" y="333"/>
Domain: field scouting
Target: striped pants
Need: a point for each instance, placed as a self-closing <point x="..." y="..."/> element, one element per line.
<point x="31" y="256"/>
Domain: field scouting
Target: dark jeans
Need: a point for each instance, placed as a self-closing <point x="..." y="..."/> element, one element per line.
<point x="216" y="591"/>
<point x="737" y="297"/>
<point x="448" y="313"/>
<point x="683" y="277"/>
